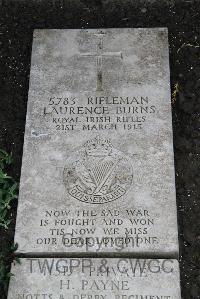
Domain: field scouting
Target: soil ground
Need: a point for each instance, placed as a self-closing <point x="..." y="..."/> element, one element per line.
<point x="18" y="19"/>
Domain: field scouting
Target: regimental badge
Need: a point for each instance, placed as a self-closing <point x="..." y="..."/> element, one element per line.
<point x="97" y="173"/>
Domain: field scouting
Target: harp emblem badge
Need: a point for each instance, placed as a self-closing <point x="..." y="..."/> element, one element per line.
<point x="97" y="173"/>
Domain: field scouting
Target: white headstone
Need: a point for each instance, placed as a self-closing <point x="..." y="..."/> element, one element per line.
<point x="95" y="279"/>
<point x="98" y="168"/>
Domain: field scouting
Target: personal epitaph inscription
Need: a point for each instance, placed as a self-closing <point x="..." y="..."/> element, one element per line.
<point x="95" y="279"/>
<point x="98" y="173"/>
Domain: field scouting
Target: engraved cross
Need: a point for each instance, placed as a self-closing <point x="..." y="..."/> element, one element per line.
<point x="99" y="59"/>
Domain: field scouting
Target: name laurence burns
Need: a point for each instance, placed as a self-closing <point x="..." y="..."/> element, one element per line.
<point x="100" y="105"/>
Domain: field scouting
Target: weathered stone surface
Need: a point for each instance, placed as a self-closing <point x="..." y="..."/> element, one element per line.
<point x="95" y="279"/>
<point x="98" y="171"/>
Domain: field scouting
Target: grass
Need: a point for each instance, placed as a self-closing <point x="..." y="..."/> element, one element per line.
<point x="8" y="194"/>
<point x="7" y="256"/>
<point x="8" y="190"/>
<point x="184" y="45"/>
<point x="175" y="92"/>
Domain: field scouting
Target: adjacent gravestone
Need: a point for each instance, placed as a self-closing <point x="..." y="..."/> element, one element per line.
<point x="95" y="279"/>
<point x="98" y="170"/>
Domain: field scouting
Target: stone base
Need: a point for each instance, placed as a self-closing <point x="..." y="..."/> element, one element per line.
<point x="75" y="278"/>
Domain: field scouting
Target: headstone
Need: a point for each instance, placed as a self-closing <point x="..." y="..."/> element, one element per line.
<point x="95" y="279"/>
<point x="98" y="169"/>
